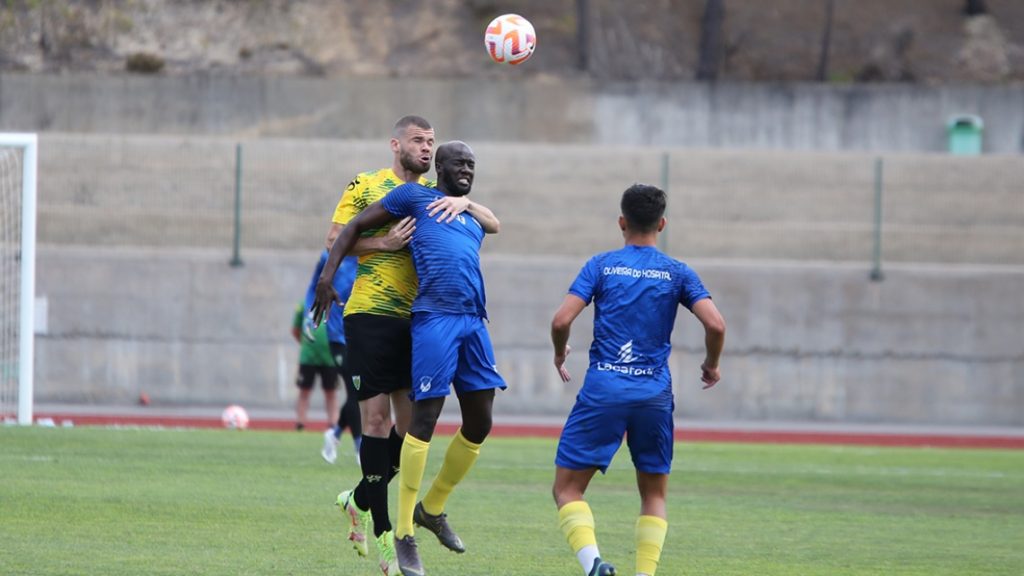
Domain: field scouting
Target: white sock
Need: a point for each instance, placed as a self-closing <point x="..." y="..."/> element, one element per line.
<point x="586" y="556"/>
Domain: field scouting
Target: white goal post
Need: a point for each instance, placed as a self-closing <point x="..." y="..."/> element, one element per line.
<point x="19" y="256"/>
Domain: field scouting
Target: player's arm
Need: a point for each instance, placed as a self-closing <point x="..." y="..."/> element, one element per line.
<point x="297" y="323"/>
<point x="372" y="217"/>
<point x="714" y="339"/>
<point x="561" y="325"/>
<point x="448" y="207"/>
<point x="348" y="208"/>
<point x="396" y="238"/>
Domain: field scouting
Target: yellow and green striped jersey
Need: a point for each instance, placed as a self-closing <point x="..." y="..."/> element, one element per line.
<point x="386" y="282"/>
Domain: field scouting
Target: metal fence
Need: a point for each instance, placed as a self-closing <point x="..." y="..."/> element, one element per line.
<point x="279" y="194"/>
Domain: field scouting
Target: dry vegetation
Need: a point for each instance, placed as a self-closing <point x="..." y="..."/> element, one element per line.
<point x="772" y="40"/>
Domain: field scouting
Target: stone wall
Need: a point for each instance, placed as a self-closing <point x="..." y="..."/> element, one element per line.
<point x="894" y="117"/>
<point x="814" y="342"/>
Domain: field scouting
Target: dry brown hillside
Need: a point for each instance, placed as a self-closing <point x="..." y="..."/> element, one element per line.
<point x="761" y="40"/>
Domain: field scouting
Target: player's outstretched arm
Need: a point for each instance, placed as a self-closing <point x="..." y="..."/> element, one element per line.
<point x="561" y="325"/>
<point x="398" y="237"/>
<point x="714" y="340"/>
<point x="372" y="217"/>
<point x="446" y="208"/>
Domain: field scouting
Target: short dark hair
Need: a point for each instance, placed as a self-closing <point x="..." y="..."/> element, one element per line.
<point x="410" y="120"/>
<point x="643" y="206"/>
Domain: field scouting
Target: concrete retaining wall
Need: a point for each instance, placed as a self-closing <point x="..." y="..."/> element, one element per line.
<point x="806" y="341"/>
<point x="553" y="199"/>
<point x="542" y="109"/>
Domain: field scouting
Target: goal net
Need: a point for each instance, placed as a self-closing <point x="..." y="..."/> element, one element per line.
<point x="18" y="154"/>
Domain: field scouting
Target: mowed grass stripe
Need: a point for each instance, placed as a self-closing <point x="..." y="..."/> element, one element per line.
<point x="212" y="502"/>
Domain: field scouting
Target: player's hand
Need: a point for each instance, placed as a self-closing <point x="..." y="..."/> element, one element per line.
<point x="325" y="296"/>
<point x="448" y="206"/>
<point x="399" y="234"/>
<point x="709" y="376"/>
<point x="308" y="327"/>
<point x="560" y="364"/>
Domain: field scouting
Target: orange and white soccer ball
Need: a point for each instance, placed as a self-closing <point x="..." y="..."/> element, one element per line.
<point x="510" y="39"/>
<point x="235" y="417"/>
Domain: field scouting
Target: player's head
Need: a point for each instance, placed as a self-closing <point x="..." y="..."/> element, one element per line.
<point x="455" y="163"/>
<point x="412" y="141"/>
<point x="643" y="209"/>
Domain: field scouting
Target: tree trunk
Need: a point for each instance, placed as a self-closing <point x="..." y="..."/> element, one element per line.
<point x="711" y="40"/>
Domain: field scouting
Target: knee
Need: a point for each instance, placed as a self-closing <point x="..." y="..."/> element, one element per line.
<point x="376" y="424"/>
<point x="477" y="428"/>
<point x="423" y="424"/>
<point x="564" y="494"/>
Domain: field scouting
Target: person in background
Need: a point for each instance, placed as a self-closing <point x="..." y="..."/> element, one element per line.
<point x="348" y="415"/>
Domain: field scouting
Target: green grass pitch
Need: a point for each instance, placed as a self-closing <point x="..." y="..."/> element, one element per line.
<point x="205" y="502"/>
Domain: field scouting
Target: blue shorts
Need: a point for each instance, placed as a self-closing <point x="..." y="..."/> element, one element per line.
<point x="451" y="349"/>
<point x="593" y="433"/>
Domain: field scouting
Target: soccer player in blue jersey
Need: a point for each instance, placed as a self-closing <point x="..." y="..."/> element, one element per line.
<point x="348" y="415"/>
<point x="627" y="390"/>
<point x="451" y="346"/>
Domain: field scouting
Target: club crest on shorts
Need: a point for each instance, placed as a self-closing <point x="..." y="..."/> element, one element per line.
<point x="357" y="381"/>
<point x="425" y="383"/>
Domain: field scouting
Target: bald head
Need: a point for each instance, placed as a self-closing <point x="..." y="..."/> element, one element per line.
<point x="455" y="163"/>
<point x="449" y="148"/>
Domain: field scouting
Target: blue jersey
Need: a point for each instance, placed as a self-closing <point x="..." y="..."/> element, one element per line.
<point x="343" y="280"/>
<point x="636" y="292"/>
<point x="446" y="255"/>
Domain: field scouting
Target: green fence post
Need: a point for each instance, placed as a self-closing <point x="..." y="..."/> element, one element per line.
<point x="663" y="237"/>
<point x="876" y="256"/>
<point x="236" y="256"/>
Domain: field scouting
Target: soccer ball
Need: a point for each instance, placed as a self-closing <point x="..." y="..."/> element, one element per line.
<point x="510" y="39"/>
<point x="235" y="417"/>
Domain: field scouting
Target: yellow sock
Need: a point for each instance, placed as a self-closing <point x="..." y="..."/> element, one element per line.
<point x="458" y="460"/>
<point x="577" y="524"/>
<point x="414" y="461"/>
<point x="650" y="537"/>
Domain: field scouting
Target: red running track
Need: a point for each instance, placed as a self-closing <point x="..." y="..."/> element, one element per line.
<point x="551" y="431"/>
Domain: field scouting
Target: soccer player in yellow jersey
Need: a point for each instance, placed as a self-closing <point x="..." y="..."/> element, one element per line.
<point x="377" y="317"/>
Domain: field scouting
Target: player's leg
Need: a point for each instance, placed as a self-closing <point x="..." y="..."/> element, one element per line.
<point x="329" y="382"/>
<point x="348" y="416"/>
<point x="304" y="381"/>
<point x="650" y="440"/>
<point x="434" y="360"/>
<point x="652" y="525"/>
<point x="462" y="453"/>
<point x="415" y="449"/>
<point x="401" y="407"/>
<point x="576" y="520"/>
<point x="359" y="503"/>
<point x="401" y="403"/>
<point x="590" y="438"/>
<point x="476" y="379"/>
<point x="375" y="460"/>
<point x="369" y="337"/>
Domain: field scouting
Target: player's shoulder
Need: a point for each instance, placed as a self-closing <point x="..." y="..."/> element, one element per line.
<point x="368" y="179"/>
<point x="606" y="258"/>
<point x="414" y="188"/>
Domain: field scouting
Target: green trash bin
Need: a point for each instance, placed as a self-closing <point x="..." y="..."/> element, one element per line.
<point x="965" y="133"/>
